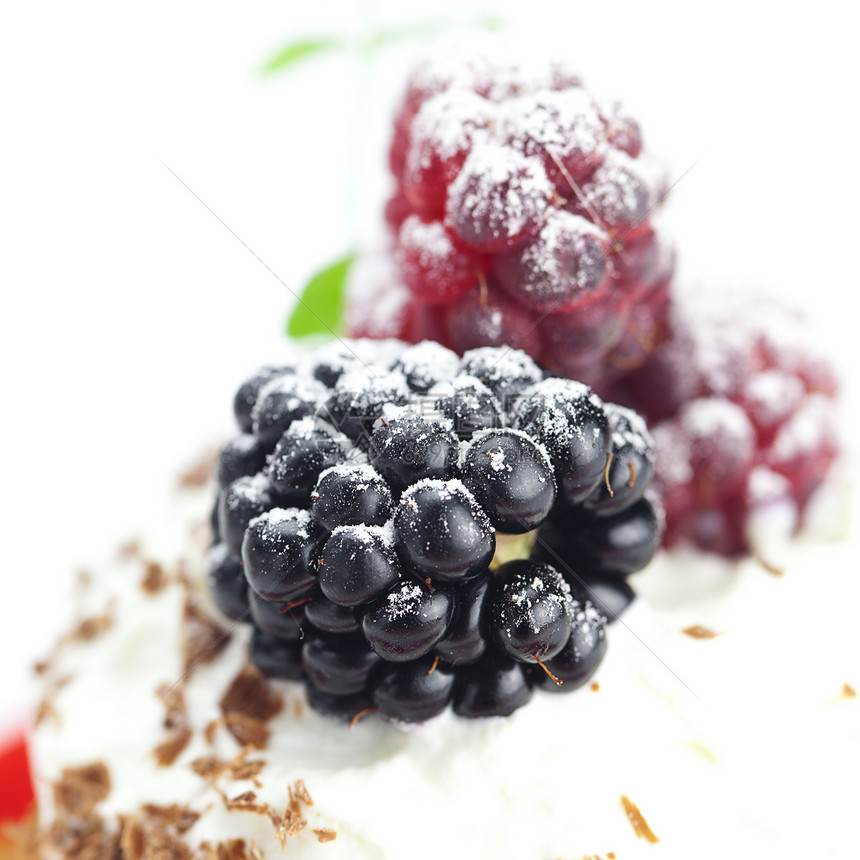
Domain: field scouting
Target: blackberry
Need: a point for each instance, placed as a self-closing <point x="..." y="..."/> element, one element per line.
<point x="495" y="686"/>
<point x="512" y="478"/>
<point x="351" y="495"/>
<point x="408" y="621"/>
<point x="358" y="400"/>
<point x="413" y="692"/>
<point x="468" y="404"/>
<point x="631" y="464"/>
<point x="304" y="452"/>
<point x="442" y="531"/>
<point x="241" y="457"/>
<point x="581" y="656"/>
<point x="281" y="401"/>
<point x="465" y="639"/>
<point x="276" y="619"/>
<point x="227" y="583"/>
<point x="246" y="396"/>
<point x="276" y="657"/>
<point x="426" y="529"/>
<point x="239" y="503"/>
<point x="570" y="421"/>
<point x="278" y="549"/>
<point x="329" y="617"/>
<point x="338" y="665"/>
<point x="506" y="372"/>
<point x="358" y="564"/>
<point x="426" y="364"/>
<point x="531" y="611"/>
<point x="408" y="448"/>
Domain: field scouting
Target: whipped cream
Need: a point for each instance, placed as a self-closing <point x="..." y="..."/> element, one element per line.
<point x="743" y="743"/>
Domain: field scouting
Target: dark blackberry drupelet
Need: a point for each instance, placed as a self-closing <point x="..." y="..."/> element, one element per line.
<point x="414" y="692"/>
<point x="512" y="478"/>
<point x="426" y="530"/>
<point x="246" y="396"/>
<point x="278" y="552"/>
<point x="442" y="531"/>
<point x="358" y="564"/>
<point x="227" y="583"/>
<point x="531" y="611"/>
<point x="408" y="621"/>
<point x="276" y="657"/>
<point x="408" y="448"/>
<point x="351" y="495"/>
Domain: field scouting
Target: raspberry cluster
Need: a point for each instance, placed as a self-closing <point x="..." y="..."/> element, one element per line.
<point x="407" y="530"/>
<point x="742" y="407"/>
<point x="522" y="216"/>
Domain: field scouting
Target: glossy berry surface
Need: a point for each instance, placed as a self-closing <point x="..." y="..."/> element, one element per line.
<point x="408" y="448"/>
<point x="512" y="478"/>
<point x="571" y="423"/>
<point x="465" y="639"/>
<point x="531" y="611"/>
<point x="578" y="660"/>
<point x="277" y="619"/>
<point x="351" y="495"/>
<point x="408" y="621"/>
<point x="338" y="665"/>
<point x="414" y="692"/>
<point x="278" y="549"/>
<point x="409" y="542"/>
<point x="495" y="686"/>
<point x="227" y="583"/>
<point x="358" y="563"/>
<point x="276" y="657"/>
<point x="442" y="531"/>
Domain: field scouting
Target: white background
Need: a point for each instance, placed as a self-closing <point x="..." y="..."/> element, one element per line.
<point x="130" y="313"/>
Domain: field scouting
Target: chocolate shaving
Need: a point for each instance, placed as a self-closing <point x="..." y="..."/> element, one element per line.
<point x="699" y="632"/>
<point x="293" y="821"/>
<point x="89" y="628"/>
<point x="212" y="768"/>
<point x="176" y="723"/>
<point x="637" y="820"/>
<point x="130" y="549"/>
<point x="323" y="834"/>
<point x="251" y="695"/>
<point x="79" y="789"/>
<point x="167" y="752"/>
<point x="177" y="816"/>
<point x="199" y="473"/>
<point x="155" y="578"/>
<point x="204" y="639"/>
<point x="248" y="731"/>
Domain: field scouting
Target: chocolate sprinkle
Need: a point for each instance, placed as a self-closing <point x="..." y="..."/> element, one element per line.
<point x="696" y="631"/>
<point x="637" y="820"/>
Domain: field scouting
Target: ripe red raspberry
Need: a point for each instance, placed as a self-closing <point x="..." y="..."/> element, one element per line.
<point x="522" y="196"/>
<point x="742" y="410"/>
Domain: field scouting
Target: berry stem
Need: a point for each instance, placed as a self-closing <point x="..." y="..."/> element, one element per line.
<point x="558" y="681"/>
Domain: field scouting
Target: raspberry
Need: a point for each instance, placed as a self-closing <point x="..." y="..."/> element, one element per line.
<point x="521" y="215"/>
<point x="426" y="528"/>
<point x="742" y="409"/>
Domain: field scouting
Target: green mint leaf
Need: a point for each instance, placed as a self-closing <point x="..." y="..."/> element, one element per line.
<point x="321" y="304"/>
<point x="299" y="50"/>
